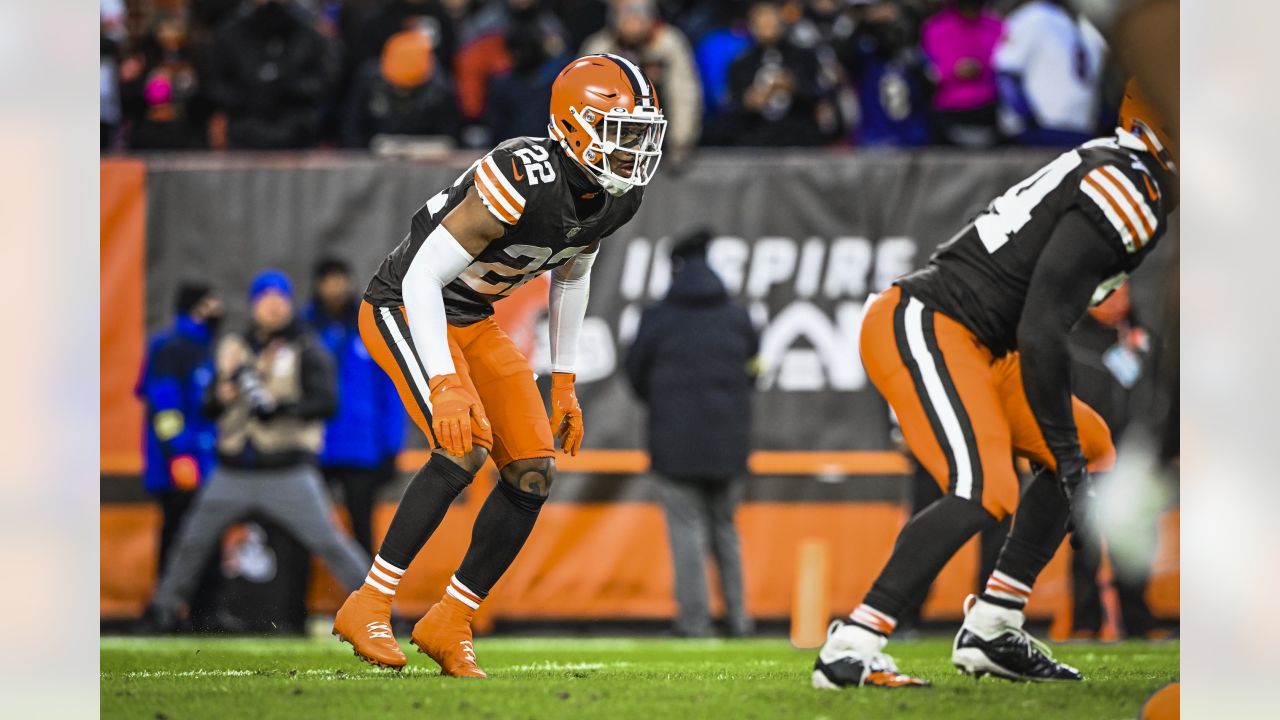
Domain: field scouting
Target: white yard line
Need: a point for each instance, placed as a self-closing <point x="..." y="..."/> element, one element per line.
<point x="360" y="674"/>
<point x="549" y="666"/>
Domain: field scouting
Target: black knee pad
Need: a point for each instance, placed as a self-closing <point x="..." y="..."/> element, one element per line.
<point x="530" y="476"/>
<point x="530" y="502"/>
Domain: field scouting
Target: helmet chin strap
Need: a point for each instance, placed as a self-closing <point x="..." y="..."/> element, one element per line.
<point x="614" y="187"/>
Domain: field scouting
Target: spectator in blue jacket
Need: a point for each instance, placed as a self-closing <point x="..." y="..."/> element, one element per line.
<point x="180" y="440"/>
<point x="362" y="440"/>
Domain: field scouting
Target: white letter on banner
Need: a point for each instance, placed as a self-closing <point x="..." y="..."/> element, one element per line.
<point x="834" y="349"/>
<point x="728" y="257"/>
<point x="801" y="371"/>
<point x="847" y="268"/>
<point x="895" y="257"/>
<point x="759" y="312"/>
<point x="597" y="355"/>
<point x="660" y="274"/>
<point x="809" y="276"/>
<point x="774" y="262"/>
<point x="635" y="269"/>
<point x="850" y="374"/>
<point x="628" y="323"/>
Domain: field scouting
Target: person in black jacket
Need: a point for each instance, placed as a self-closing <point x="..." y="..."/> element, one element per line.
<point x="773" y="86"/>
<point x="269" y="75"/>
<point x="692" y="364"/>
<point x="273" y="389"/>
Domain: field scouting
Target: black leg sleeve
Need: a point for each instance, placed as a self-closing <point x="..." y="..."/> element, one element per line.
<point x="1039" y="526"/>
<point x="925" y="544"/>
<point x="426" y="500"/>
<point x="504" y="523"/>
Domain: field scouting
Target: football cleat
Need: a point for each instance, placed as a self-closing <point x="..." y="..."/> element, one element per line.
<point x="364" y="621"/>
<point x="444" y="633"/>
<point x="840" y="665"/>
<point x="1012" y="653"/>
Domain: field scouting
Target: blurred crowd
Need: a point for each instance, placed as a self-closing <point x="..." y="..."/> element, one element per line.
<point x="290" y="74"/>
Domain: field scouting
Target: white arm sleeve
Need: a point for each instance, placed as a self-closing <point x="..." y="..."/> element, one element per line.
<point x="570" y="287"/>
<point x="440" y="259"/>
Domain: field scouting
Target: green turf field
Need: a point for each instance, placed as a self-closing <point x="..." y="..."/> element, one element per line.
<point x="654" y="679"/>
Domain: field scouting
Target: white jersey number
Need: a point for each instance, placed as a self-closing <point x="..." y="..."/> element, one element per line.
<point x="1008" y="213"/>
<point x="521" y="264"/>
<point x="537" y="164"/>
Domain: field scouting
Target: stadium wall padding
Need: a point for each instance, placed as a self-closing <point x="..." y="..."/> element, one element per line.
<point x="123" y="247"/>
<point x="802" y="238"/>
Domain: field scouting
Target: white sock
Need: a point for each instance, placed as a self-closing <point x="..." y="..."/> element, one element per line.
<point x="383" y="576"/>
<point x="989" y="620"/>
<point x="858" y="639"/>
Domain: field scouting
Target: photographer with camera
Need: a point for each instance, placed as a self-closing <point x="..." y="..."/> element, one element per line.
<point x="274" y="389"/>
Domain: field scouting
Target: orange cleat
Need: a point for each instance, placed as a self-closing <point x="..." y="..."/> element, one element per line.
<point x="444" y="633"/>
<point x="364" y="621"/>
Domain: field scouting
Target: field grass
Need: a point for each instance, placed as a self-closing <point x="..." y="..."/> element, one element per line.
<point x="654" y="679"/>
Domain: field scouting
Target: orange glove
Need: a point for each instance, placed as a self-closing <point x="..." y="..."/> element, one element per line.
<point x="566" y="413"/>
<point x="185" y="472"/>
<point x="453" y="410"/>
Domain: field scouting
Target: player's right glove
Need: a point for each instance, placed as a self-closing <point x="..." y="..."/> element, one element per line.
<point x="453" y="411"/>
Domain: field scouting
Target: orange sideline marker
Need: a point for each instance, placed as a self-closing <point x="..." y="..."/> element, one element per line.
<point x="809" y="608"/>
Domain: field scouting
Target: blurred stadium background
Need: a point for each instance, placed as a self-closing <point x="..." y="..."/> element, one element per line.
<point x="211" y="172"/>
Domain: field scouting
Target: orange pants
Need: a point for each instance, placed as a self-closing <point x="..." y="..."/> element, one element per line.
<point x="491" y="368"/>
<point x="963" y="412"/>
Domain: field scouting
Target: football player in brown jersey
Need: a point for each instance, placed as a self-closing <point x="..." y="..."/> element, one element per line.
<point x="971" y="353"/>
<point x="530" y="206"/>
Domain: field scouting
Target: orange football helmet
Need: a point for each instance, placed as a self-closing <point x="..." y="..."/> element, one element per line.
<point x="606" y="115"/>
<point x="1139" y="117"/>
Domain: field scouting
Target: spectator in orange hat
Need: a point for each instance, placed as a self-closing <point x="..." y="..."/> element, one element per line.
<point x="403" y="93"/>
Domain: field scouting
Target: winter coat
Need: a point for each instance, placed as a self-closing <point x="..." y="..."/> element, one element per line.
<point x="272" y="74"/>
<point x="297" y="374"/>
<point x="368" y="429"/>
<point x="175" y="375"/>
<point x="690" y="364"/>
<point x="790" y="117"/>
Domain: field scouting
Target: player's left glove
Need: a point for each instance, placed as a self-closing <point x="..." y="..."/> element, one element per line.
<point x="566" y="413"/>
<point x="1078" y="487"/>
<point x="185" y="472"/>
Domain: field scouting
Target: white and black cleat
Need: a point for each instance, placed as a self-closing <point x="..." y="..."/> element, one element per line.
<point x="839" y="666"/>
<point x="1013" y="655"/>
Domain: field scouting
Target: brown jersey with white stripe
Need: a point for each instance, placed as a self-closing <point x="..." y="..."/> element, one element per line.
<point x="525" y="183"/>
<point x="981" y="276"/>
